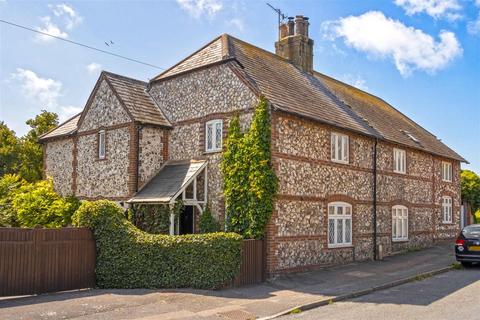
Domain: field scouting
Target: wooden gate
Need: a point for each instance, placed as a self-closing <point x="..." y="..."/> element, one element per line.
<point x="34" y="261"/>
<point x="252" y="269"/>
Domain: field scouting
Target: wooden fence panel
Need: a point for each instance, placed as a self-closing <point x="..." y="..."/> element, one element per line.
<point x="252" y="269"/>
<point x="36" y="261"/>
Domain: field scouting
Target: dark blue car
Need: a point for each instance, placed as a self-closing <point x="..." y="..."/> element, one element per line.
<point x="467" y="246"/>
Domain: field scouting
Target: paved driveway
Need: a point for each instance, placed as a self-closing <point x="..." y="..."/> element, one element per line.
<point x="262" y="300"/>
<point x="451" y="295"/>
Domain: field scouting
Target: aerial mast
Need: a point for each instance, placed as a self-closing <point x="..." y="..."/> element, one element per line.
<point x="281" y="17"/>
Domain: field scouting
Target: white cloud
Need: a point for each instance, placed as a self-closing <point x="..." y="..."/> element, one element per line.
<point x="62" y="14"/>
<point x="384" y="37"/>
<point x="355" y="80"/>
<point x="473" y="27"/>
<point x="69" y="15"/>
<point x="50" y="28"/>
<point x="236" y="23"/>
<point x="45" y="92"/>
<point x="435" y="8"/>
<point x="199" y="8"/>
<point x="94" y="68"/>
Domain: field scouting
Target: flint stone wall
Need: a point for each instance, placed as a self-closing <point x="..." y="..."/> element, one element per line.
<point x="151" y="152"/>
<point x="191" y="99"/>
<point x="105" y="110"/>
<point x="59" y="164"/>
<point x="308" y="181"/>
<point x="106" y="178"/>
<point x="201" y="93"/>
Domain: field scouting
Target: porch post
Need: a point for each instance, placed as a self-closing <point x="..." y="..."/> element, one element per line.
<point x="172" y="221"/>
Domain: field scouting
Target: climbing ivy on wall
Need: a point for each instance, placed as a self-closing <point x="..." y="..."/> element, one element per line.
<point x="154" y="218"/>
<point x="249" y="180"/>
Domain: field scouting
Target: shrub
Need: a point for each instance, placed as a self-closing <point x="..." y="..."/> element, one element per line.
<point x="130" y="258"/>
<point x="38" y="204"/>
<point x="154" y="218"/>
<point x="208" y="223"/>
<point x="9" y="185"/>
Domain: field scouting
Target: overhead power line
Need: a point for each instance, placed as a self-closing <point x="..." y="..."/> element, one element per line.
<point x="81" y="44"/>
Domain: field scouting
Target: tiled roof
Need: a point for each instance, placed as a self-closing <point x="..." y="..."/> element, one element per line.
<point x="64" y="129"/>
<point x="136" y="99"/>
<point x="314" y="96"/>
<point x="134" y="96"/>
<point x="169" y="181"/>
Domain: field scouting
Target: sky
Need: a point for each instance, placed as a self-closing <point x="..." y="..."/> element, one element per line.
<point x="421" y="56"/>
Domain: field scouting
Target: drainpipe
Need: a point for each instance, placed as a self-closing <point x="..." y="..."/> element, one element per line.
<point x="375" y="200"/>
<point x="137" y="178"/>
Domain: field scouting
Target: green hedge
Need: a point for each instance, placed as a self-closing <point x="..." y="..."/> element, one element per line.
<point x="130" y="258"/>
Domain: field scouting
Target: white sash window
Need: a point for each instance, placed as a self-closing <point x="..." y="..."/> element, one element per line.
<point x="339" y="224"/>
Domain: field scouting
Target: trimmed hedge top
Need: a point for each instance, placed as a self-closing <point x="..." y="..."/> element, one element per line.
<point x="130" y="258"/>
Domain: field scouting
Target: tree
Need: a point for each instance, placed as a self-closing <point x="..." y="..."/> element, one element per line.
<point x="9" y="150"/>
<point x="470" y="185"/>
<point x="31" y="154"/>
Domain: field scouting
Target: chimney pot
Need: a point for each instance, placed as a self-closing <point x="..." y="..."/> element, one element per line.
<point x="283" y="31"/>
<point x="294" y="44"/>
<point x="291" y="26"/>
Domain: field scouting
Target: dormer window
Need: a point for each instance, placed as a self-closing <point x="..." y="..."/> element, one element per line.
<point x="101" y="144"/>
<point x="213" y="135"/>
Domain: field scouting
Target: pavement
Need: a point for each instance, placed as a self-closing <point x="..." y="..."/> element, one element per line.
<point x="273" y="298"/>
<point x="452" y="295"/>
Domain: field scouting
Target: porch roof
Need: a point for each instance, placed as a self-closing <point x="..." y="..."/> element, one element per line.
<point x="169" y="182"/>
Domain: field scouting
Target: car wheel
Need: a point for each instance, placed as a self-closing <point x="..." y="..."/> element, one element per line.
<point x="466" y="264"/>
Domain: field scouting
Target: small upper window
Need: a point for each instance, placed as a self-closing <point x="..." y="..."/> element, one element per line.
<point x="339" y="147"/>
<point x="447" y="209"/>
<point x="399" y="223"/>
<point x="446" y="171"/>
<point x="339" y="224"/>
<point x="213" y="135"/>
<point x="399" y="161"/>
<point x="101" y="144"/>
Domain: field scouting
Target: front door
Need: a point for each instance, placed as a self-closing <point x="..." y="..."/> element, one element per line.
<point x="186" y="220"/>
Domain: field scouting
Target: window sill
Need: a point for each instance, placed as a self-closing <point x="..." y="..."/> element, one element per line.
<point x="399" y="172"/>
<point x="339" y="246"/>
<point x="447" y="223"/>
<point x="212" y="152"/>
<point x="339" y="161"/>
<point x="400" y="240"/>
<point x="447" y="181"/>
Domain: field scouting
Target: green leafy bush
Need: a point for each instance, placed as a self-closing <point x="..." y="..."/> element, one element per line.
<point x="249" y="180"/>
<point x="208" y="223"/>
<point x="9" y="185"/>
<point x="37" y="204"/>
<point x="154" y="218"/>
<point x="130" y="258"/>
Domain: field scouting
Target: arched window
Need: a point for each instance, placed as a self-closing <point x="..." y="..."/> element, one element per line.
<point x="447" y="209"/>
<point x="339" y="224"/>
<point x="399" y="223"/>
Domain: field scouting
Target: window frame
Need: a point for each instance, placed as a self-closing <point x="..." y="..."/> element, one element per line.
<point x="403" y="164"/>
<point x="402" y="218"/>
<point x="448" y="177"/>
<point x="214" y="147"/>
<point x="102" y="145"/>
<point x="449" y="206"/>
<point x="346" y="218"/>
<point x="345" y="150"/>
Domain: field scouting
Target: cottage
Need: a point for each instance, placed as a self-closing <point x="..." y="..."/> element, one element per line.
<point x="346" y="160"/>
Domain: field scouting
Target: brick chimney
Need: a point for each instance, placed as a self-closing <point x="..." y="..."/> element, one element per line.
<point x="294" y="44"/>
